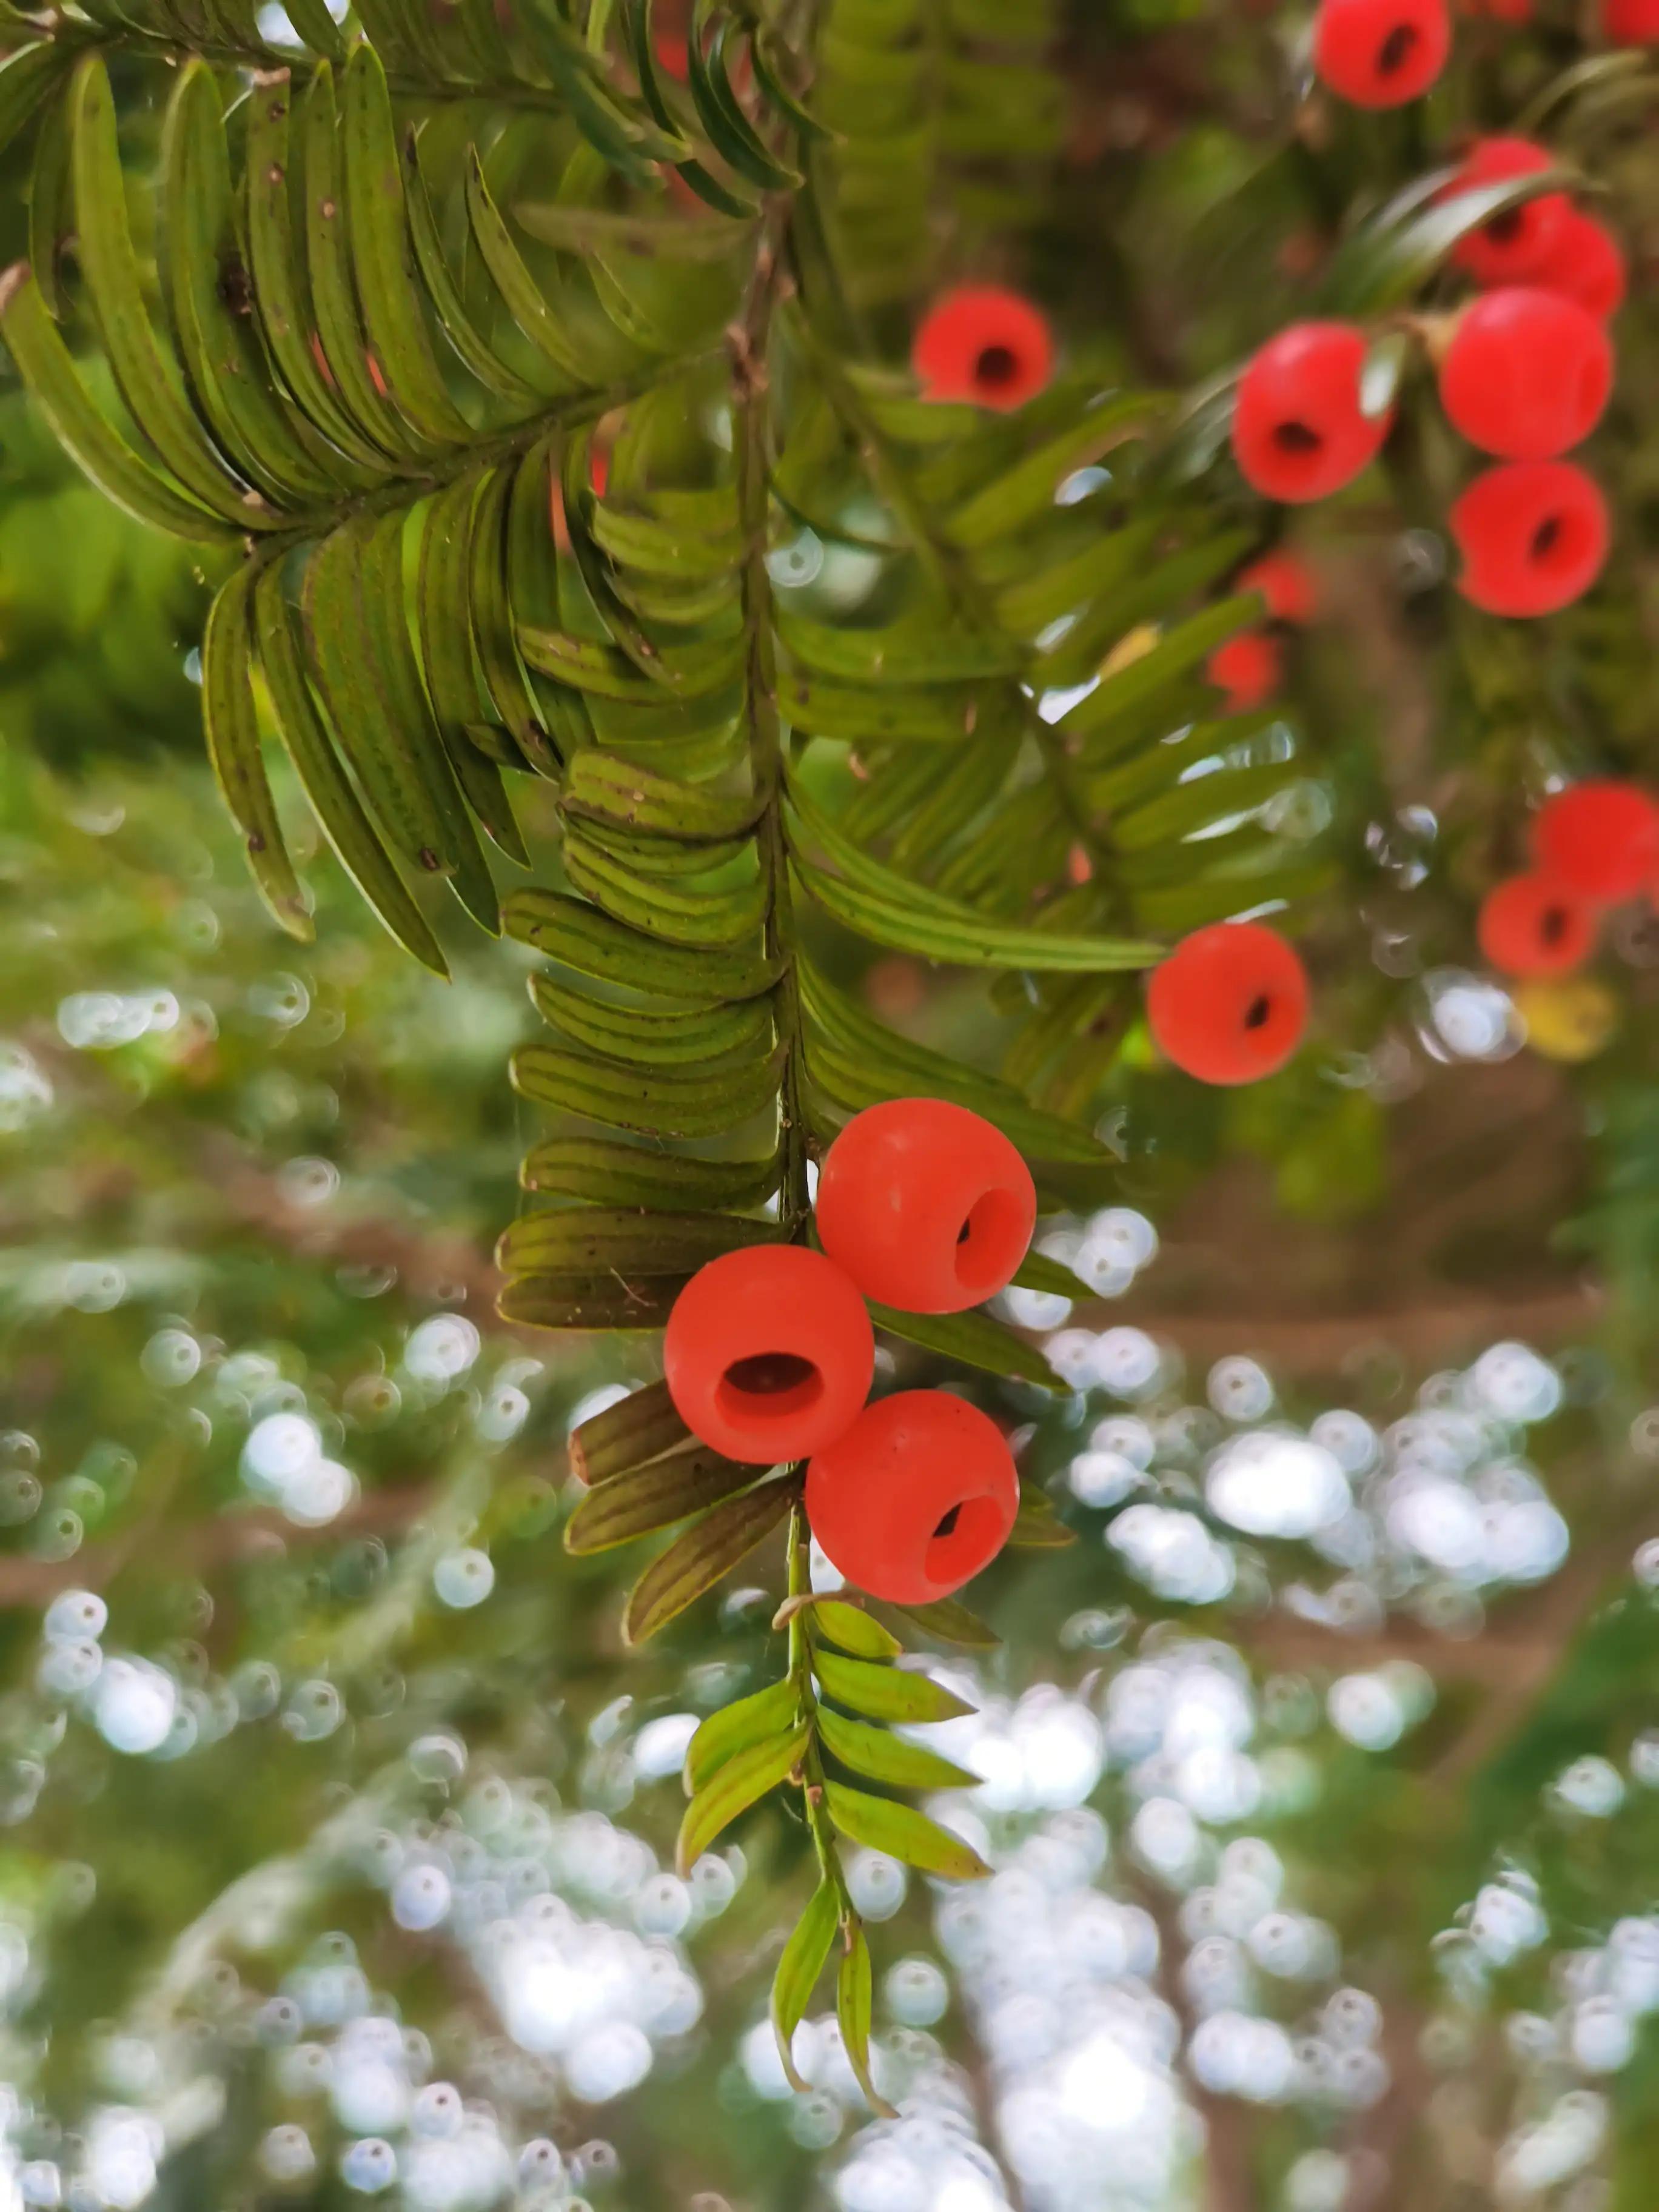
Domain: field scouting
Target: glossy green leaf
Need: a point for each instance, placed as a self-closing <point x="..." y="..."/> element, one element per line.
<point x="570" y="930"/>
<point x="805" y="1957"/>
<point x="602" y="1302"/>
<point x="233" y="750"/>
<point x="885" y="1693"/>
<point x="578" y="1239"/>
<point x="705" y="1554"/>
<point x="148" y="380"/>
<point x="382" y="255"/>
<point x="888" y="1758"/>
<point x="652" y="1040"/>
<point x="972" y="1339"/>
<point x="637" y="1429"/>
<point x="853" y="2003"/>
<point x="647" y="1499"/>
<point x="656" y="1102"/>
<point x="332" y="796"/>
<point x="883" y="1824"/>
<point x="851" y="1629"/>
<point x="737" y="1728"/>
<point x="603" y="787"/>
<point x="44" y="362"/>
<point x="951" y="1622"/>
<point x="741" y="1782"/>
<point x="610" y="1174"/>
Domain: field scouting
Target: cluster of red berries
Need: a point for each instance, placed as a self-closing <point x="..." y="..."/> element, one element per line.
<point x="769" y="1351"/>
<point x="1250" y="667"/>
<point x="1594" y="846"/>
<point x="1380" y="53"/>
<point x="1525" y="370"/>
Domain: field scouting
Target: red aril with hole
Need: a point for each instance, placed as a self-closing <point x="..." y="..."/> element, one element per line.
<point x="1535" y="926"/>
<point x="1380" y="53"/>
<point x="1527" y="374"/>
<point x="1600" y="838"/>
<point x="1229" y="1004"/>
<point x="768" y="1353"/>
<point x="1249" y="668"/>
<point x="925" y="1206"/>
<point x="916" y="1498"/>
<point x="1586" y="264"/>
<point x="1299" y="432"/>
<point x="1286" y="582"/>
<point x="1534" y="536"/>
<point x="984" y="344"/>
<point x="1511" y="246"/>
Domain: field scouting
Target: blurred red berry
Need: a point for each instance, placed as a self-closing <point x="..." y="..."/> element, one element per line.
<point x="1508" y="248"/>
<point x="1249" y="668"/>
<point x="1526" y="373"/>
<point x="768" y="1353"/>
<point x="1379" y="53"/>
<point x="1600" y="839"/>
<point x="1299" y="432"/>
<point x="1535" y="926"/>
<point x="1587" y="263"/>
<point x="1229" y="1004"/>
<point x="1534" y="536"/>
<point x="1631" y="22"/>
<point x="670" y="23"/>
<point x="1286" y="582"/>
<point x="985" y="344"/>
<point x="915" y="1498"/>
<point x="925" y="1205"/>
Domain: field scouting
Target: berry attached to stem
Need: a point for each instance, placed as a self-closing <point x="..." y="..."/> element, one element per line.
<point x="1299" y="430"/>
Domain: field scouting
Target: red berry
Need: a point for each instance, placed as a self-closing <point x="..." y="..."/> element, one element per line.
<point x="1248" y="668"/>
<point x="1587" y="263"/>
<point x="1631" y="22"/>
<point x="1533" y="534"/>
<point x="1286" y="582"/>
<point x="1509" y="247"/>
<point x="1526" y="373"/>
<point x="986" y="345"/>
<point x="1299" y="432"/>
<point x="1379" y="53"/>
<point x="915" y="1498"/>
<point x="1599" y="839"/>
<point x="925" y="1205"/>
<point x="1535" y="926"/>
<point x="768" y="1353"/>
<point x="1229" y="1004"/>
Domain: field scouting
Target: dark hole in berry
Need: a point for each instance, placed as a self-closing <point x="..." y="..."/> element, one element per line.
<point x="965" y="1232"/>
<point x="1258" y="1011"/>
<point x="997" y="365"/>
<point x="1504" y="229"/>
<point x="1545" y="537"/>
<point x="1553" y="924"/>
<point x="768" y="1374"/>
<point x="947" y="1526"/>
<point x="1397" y="49"/>
<point x="1296" y="438"/>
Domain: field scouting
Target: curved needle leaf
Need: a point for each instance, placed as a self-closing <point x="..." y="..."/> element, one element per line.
<point x="805" y="1957"/>
<point x="885" y="1693"/>
<point x="882" y="1824"/>
<point x="734" y="1728"/>
<point x="743" y="1780"/>
<point x="704" y="1555"/>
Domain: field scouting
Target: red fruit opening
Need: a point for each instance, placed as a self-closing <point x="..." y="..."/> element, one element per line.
<point x="1397" y="49"/>
<point x="1229" y="1004"/>
<point x="967" y="1534"/>
<point x="782" y="1382"/>
<point x="995" y="1224"/>
<point x="1509" y="247"/>
<point x="983" y="344"/>
<point x="917" y="1497"/>
<point x="1379" y="53"/>
<point x="1534" y="536"/>
<point x="1536" y="926"/>
<point x="1299" y="431"/>
<point x="768" y="1353"/>
<point x="996" y="366"/>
